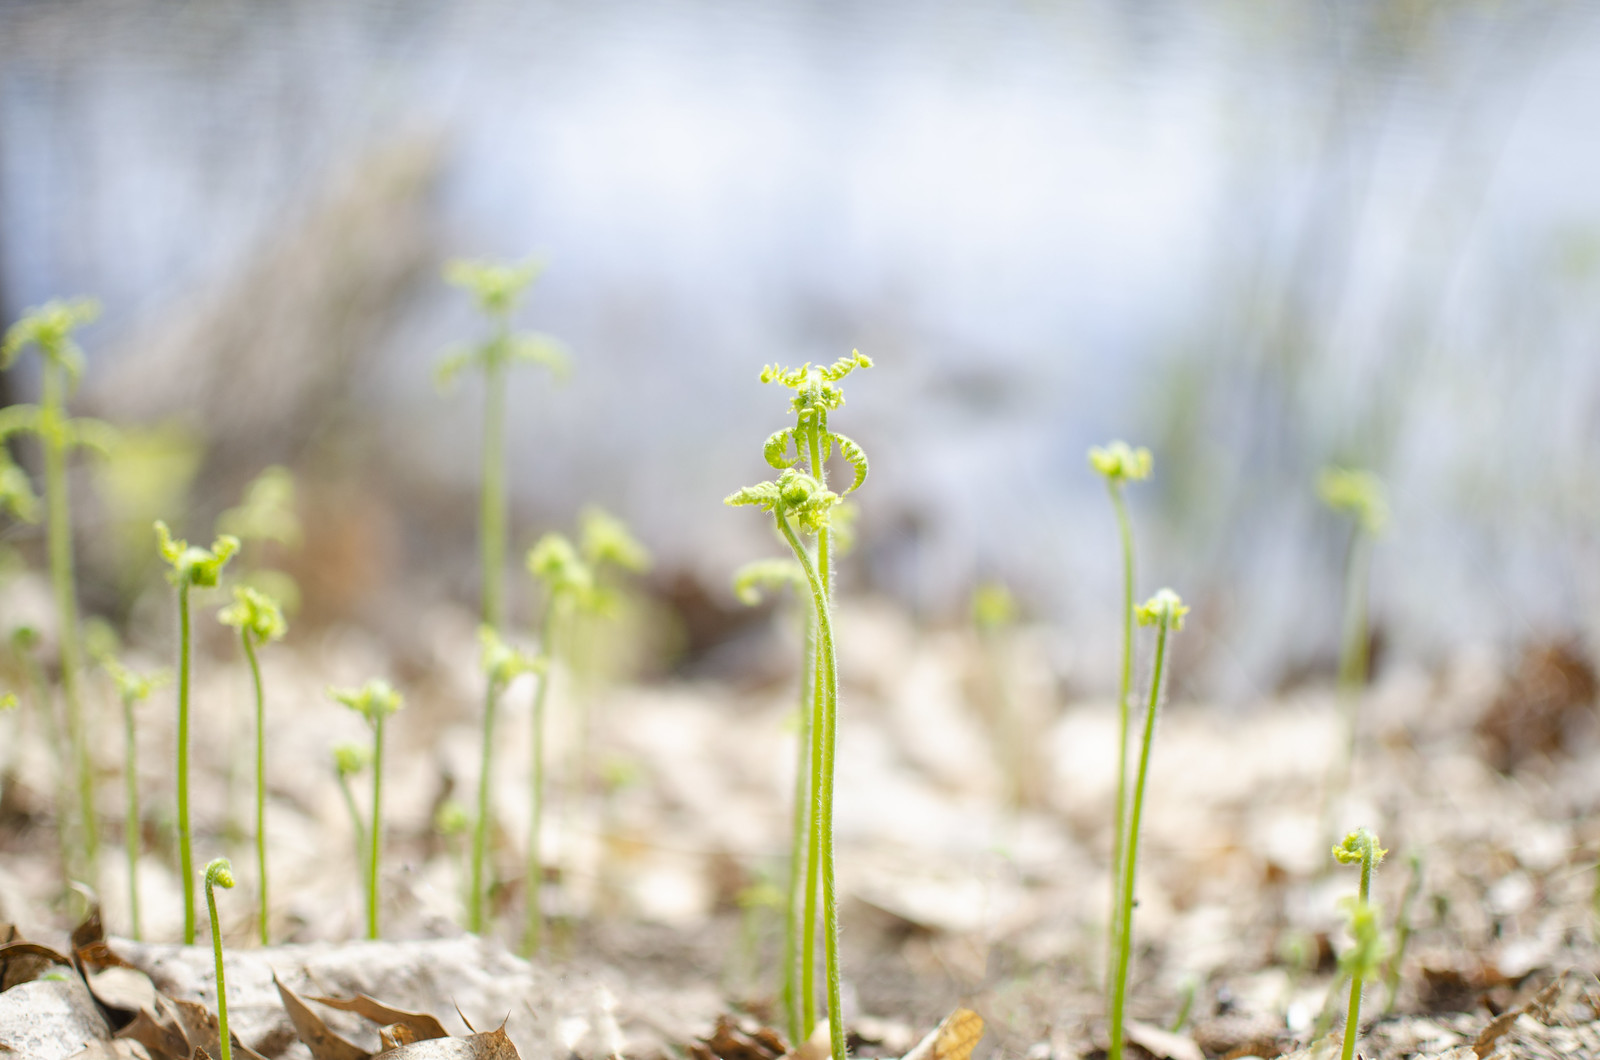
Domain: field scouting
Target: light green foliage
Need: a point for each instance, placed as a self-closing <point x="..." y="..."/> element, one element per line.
<point x="501" y="665"/>
<point x="1363" y="960"/>
<point x="267" y="512"/>
<point x="498" y="290"/>
<point x="755" y="579"/>
<point x="993" y="606"/>
<point x="802" y="498"/>
<point x="1120" y="462"/>
<point x="191" y="564"/>
<point x="8" y="701"/>
<point x="219" y="873"/>
<point x="255" y="614"/>
<point x="374" y="701"/>
<point x="606" y="540"/>
<point x="16" y="492"/>
<point x="555" y="561"/>
<point x="49" y="327"/>
<point x="1165" y="611"/>
<point x="1358" y="494"/>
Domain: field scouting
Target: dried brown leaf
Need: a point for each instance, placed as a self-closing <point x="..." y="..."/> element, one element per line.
<point x="423" y="1026"/>
<point x="159" y="1031"/>
<point x="200" y="1028"/>
<point x="323" y="1043"/>
<point x="953" y="1039"/>
<point x="23" y="962"/>
<point x="490" y="1045"/>
<point x="395" y="1035"/>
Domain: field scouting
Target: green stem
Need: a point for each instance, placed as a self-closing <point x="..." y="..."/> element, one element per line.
<point x="1130" y="862"/>
<point x="1120" y="811"/>
<point x="492" y="513"/>
<point x="223" y="1036"/>
<point x="1353" y="1011"/>
<point x="261" y="778"/>
<point x="794" y="999"/>
<point x="185" y="841"/>
<point x="359" y="827"/>
<point x="825" y="735"/>
<point x="480" y="830"/>
<point x="374" y="839"/>
<point x="534" y="934"/>
<point x="130" y="828"/>
<point x="53" y="415"/>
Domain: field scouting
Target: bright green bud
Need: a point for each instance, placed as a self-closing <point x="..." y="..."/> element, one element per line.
<point x="50" y="328"/>
<point x="993" y="606"/>
<point x="8" y="701"/>
<point x="193" y="565"/>
<point x="132" y="687"/>
<point x="1359" y="494"/>
<point x="373" y="700"/>
<point x="502" y="662"/>
<point x="1358" y="844"/>
<point x="554" y="561"/>
<point x="219" y="873"/>
<point x="1120" y="462"/>
<point x="256" y="612"/>
<point x="607" y="539"/>
<point x="496" y="287"/>
<point x="1164" y="608"/>
<point x="350" y="759"/>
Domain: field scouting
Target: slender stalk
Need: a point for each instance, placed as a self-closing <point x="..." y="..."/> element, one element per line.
<point x="492" y="510"/>
<point x="185" y="841"/>
<point x="1120" y="812"/>
<point x="131" y="827"/>
<point x="533" y="937"/>
<point x="219" y="873"/>
<point x="480" y="829"/>
<point x="1131" y="854"/>
<point x="824" y="737"/>
<point x="794" y="1000"/>
<point x="261" y="778"/>
<point x="374" y="839"/>
<point x="1353" y="1011"/>
<point x="815" y="864"/>
<point x="359" y="826"/>
<point x="60" y="549"/>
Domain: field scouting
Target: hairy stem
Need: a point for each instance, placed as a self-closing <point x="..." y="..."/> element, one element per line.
<point x="480" y="829"/>
<point x="1353" y="1011"/>
<point x="222" y="988"/>
<point x="1120" y="810"/>
<point x="795" y="1003"/>
<point x="375" y="837"/>
<point x="185" y="840"/>
<point x="61" y="580"/>
<point x="261" y="779"/>
<point x="1130" y="861"/>
<point x="492" y="512"/>
<point x="533" y="936"/>
<point x="130" y="828"/>
<point x="824" y="735"/>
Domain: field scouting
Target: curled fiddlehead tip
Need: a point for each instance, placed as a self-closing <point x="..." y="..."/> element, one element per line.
<point x="350" y="759"/>
<point x="50" y="327"/>
<point x="192" y="565"/>
<point x="1358" y="845"/>
<point x="794" y="493"/>
<point x="219" y="873"/>
<point x="607" y="539"/>
<point x="1165" y="608"/>
<point x="755" y="579"/>
<point x="500" y="661"/>
<point x="255" y="611"/>
<point x="374" y="700"/>
<point x="1359" y="494"/>
<point x="555" y="561"/>
<point x="1121" y="462"/>
<point x="496" y="286"/>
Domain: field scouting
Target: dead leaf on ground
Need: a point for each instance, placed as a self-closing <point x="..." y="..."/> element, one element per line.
<point x="730" y="1041"/>
<point x="951" y="1040"/>
<point x="323" y="1043"/>
<point x="23" y="962"/>
<point x="490" y="1045"/>
<point x="1164" y="1044"/>
<point x="115" y="1049"/>
<point x="200" y="1028"/>
<point x="423" y="1027"/>
<point x="159" y="1031"/>
<point x="49" y="1019"/>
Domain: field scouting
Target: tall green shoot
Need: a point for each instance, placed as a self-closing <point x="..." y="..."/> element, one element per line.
<point x="132" y="689"/>
<point x="1165" y="611"/>
<point x="498" y="290"/>
<point x="219" y="873"/>
<point x="749" y="582"/>
<point x="1363" y="960"/>
<point x="374" y="701"/>
<point x="798" y="498"/>
<point x="259" y="620"/>
<point x="1360" y="495"/>
<point x="191" y="566"/>
<point x="568" y="581"/>
<point x="501" y="664"/>
<point x="49" y="329"/>
<point x="348" y="760"/>
<point x="1120" y="464"/>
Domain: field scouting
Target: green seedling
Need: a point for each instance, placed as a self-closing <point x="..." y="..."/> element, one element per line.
<point x="800" y="500"/>
<point x="348" y="760"/>
<point x="374" y="701"/>
<point x="132" y="689"/>
<point x="749" y="584"/>
<point x="49" y="329"/>
<point x="498" y="290"/>
<point x="1402" y="933"/>
<point x="568" y="582"/>
<point x="219" y="873"/>
<point x="1165" y="611"/>
<point x="452" y="822"/>
<point x="191" y="566"/>
<point x="1120" y="464"/>
<point x="1358" y="494"/>
<point x="502" y="664"/>
<point x="259" y="620"/>
<point x="609" y="548"/>
<point x="1363" y="960"/>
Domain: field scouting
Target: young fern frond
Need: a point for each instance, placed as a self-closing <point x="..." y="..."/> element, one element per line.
<point x="1363" y="960"/>
<point x="501" y="665"/>
<point x="374" y="701"/>
<point x="190" y="566"/>
<point x="132" y="689"/>
<point x="219" y="873"/>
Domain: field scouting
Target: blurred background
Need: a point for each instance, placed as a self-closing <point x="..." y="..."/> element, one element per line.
<point x="1259" y="238"/>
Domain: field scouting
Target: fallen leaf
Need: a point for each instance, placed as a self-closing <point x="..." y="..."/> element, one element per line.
<point x="49" y="1019"/>
<point x="23" y="962"/>
<point x="200" y="1028"/>
<point x="115" y="1049"/>
<point x="423" y="1026"/>
<point x="323" y="1043"/>
<point x="158" y="1030"/>
<point x="951" y="1040"/>
<point x="1162" y="1043"/>
<point x="490" y="1045"/>
<point x="395" y="1035"/>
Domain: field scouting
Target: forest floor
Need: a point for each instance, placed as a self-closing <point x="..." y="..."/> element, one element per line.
<point x="973" y="834"/>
